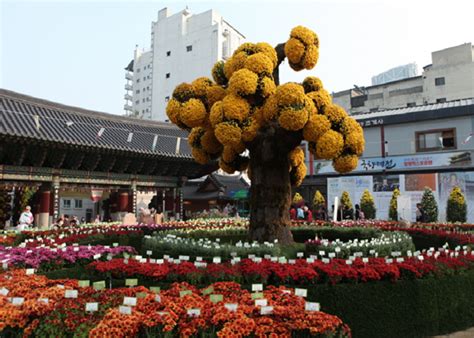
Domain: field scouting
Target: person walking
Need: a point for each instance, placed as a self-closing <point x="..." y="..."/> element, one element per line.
<point x="26" y="219"/>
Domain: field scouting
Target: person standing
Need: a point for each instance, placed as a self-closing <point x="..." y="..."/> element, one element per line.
<point x="420" y="213"/>
<point x="26" y="219"/>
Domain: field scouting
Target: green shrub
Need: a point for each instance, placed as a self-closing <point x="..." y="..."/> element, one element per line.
<point x="429" y="206"/>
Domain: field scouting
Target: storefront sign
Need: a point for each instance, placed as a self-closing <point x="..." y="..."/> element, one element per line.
<point x="396" y="163"/>
<point x="96" y="194"/>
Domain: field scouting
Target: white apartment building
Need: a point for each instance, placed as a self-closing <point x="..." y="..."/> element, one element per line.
<point x="183" y="47"/>
<point x="449" y="77"/>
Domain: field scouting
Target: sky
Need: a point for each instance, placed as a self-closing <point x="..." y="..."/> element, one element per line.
<point x="74" y="52"/>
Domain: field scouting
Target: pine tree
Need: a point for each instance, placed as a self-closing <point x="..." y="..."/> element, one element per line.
<point x="456" y="208"/>
<point x="367" y="205"/>
<point x="318" y="200"/>
<point x="429" y="206"/>
<point x="393" y="212"/>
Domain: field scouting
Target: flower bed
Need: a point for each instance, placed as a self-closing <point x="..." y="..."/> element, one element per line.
<point x="37" y="306"/>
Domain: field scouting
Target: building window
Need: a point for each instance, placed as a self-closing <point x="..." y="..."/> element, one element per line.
<point x="138" y="70"/>
<point x="137" y="102"/>
<point x="439" y="81"/>
<point x="168" y="75"/>
<point x="137" y="91"/>
<point x="168" y="53"/>
<point x="143" y="100"/>
<point x="441" y="100"/>
<point x="138" y="80"/>
<point x="77" y="204"/>
<point x="167" y="98"/>
<point x="189" y="48"/>
<point x="66" y="204"/>
<point x="144" y="78"/>
<point x="433" y="140"/>
<point x="411" y="104"/>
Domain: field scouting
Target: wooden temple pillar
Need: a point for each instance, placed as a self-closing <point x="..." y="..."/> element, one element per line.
<point x="44" y="206"/>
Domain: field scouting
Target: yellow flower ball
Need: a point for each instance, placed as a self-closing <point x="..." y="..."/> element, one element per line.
<point x="173" y="109"/>
<point x="194" y="137"/>
<point x="258" y="115"/>
<point x="296" y="156"/>
<point x="200" y="86"/>
<point x="183" y="92"/>
<point x="250" y="129"/>
<point x="236" y="62"/>
<point x="269" y="51"/>
<point x="228" y="134"/>
<point x="226" y="167"/>
<point x="355" y="142"/>
<point x="298" y="174"/>
<point x="329" y="145"/>
<point x="335" y="113"/>
<point x="243" y="82"/>
<point x="193" y="113"/>
<point x="217" y="114"/>
<point x="228" y="154"/>
<point x="259" y="63"/>
<point x="312" y="84"/>
<point x="305" y="35"/>
<point x="317" y="125"/>
<point x="293" y="119"/>
<point x="270" y="108"/>
<point x="350" y="125"/>
<point x="218" y="73"/>
<point x="239" y="148"/>
<point x="310" y="57"/>
<point x="290" y="94"/>
<point x="294" y="50"/>
<point x="320" y="98"/>
<point x="210" y="143"/>
<point x="267" y="86"/>
<point x="200" y="156"/>
<point x="345" y="163"/>
<point x="248" y="48"/>
<point x="214" y="94"/>
<point x="235" y="108"/>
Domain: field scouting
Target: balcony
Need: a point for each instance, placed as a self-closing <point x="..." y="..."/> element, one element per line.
<point x="128" y="87"/>
<point x="127" y="107"/>
<point x="128" y="76"/>
<point x="128" y="97"/>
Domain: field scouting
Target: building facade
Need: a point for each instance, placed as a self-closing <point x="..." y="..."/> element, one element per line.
<point x="184" y="46"/>
<point x="409" y="149"/>
<point x="449" y="77"/>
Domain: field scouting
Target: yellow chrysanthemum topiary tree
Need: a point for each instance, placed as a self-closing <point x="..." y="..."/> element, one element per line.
<point x="456" y="208"/>
<point x="246" y="108"/>
<point x="297" y="199"/>
<point x="318" y="200"/>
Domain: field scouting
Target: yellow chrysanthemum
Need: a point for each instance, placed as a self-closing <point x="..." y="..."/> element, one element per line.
<point x="183" y="92"/>
<point x="258" y="116"/>
<point x="345" y="163"/>
<point x="250" y="129"/>
<point x="267" y="86"/>
<point x="306" y="35"/>
<point x="269" y="51"/>
<point x="248" y="48"/>
<point x="243" y="82"/>
<point x="239" y="148"/>
<point x="228" y="154"/>
<point x="200" y="155"/>
<point x="200" y="85"/>
<point x="335" y="113"/>
<point x="228" y="134"/>
<point x="210" y="143"/>
<point x="293" y="119"/>
<point x="290" y="94"/>
<point x="296" y="156"/>
<point x="226" y="167"/>
<point x="320" y="98"/>
<point x="194" y="137"/>
<point x="310" y="57"/>
<point x="270" y="109"/>
<point x="193" y="113"/>
<point x="235" y="63"/>
<point x="317" y="125"/>
<point x="309" y="106"/>
<point x="350" y="125"/>
<point x="298" y="174"/>
<point x="214" y="94"/>
<point x="355" y="142"/>
<point x="218" y="73"/>
<point x="259" y="63"/>
<point x="173" y="110"/>
<point x="312" y="84"/>
<point x="235" y="108"/>
<point x="329" y="145"/>
<point x="294" y="50"/>
<point x="217" y="114"/>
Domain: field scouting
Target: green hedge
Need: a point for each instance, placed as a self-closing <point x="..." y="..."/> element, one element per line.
<point x="407" y="308"/>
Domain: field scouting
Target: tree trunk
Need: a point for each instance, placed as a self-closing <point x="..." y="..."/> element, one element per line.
<point x="270" y="192"/>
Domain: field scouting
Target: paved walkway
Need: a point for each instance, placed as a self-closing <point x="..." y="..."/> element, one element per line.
<point x="461" y="334"/>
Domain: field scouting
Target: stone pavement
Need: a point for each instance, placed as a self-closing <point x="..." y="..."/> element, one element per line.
<point x="460" y="334"/>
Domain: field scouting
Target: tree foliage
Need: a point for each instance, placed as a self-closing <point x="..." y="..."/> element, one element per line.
<point x="367" y="205"/>
<point x="456" y="209"/>
<point x="429" y="206"/>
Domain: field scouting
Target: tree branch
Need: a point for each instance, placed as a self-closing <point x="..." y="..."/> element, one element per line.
<point x="280" y="50"/>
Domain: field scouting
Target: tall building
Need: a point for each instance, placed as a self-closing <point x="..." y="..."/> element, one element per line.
<point x="394" y="74"/>
<point x="449" y="77"/>
<point x="183" y="47"/>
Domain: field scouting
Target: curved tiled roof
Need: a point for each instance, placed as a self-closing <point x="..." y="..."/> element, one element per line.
<point x="24" y="116"/>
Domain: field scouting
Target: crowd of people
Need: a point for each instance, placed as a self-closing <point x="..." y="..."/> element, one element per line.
<point x="304" y="213"/>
